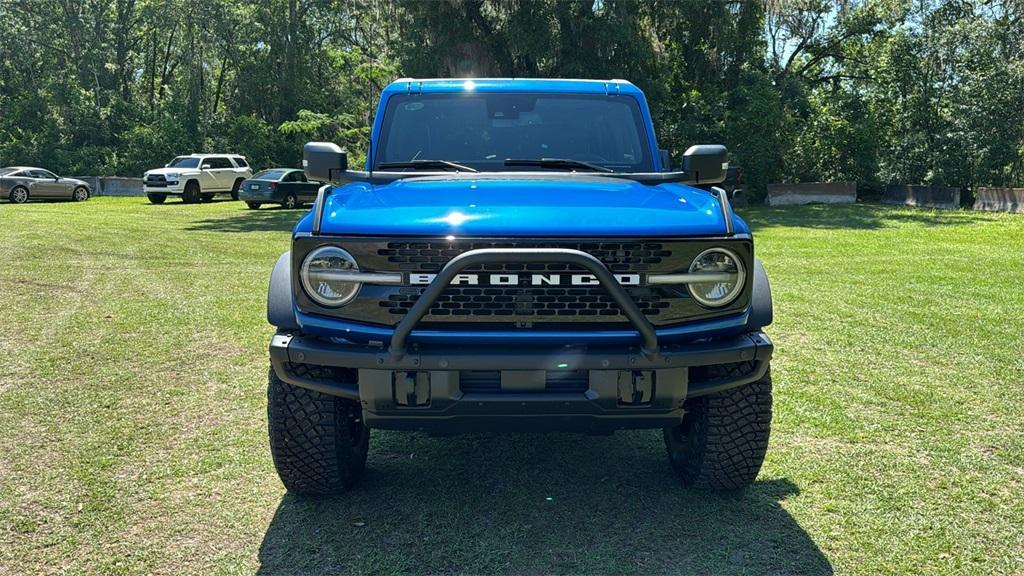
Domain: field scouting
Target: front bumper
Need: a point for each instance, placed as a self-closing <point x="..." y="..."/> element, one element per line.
<point x="176" y="188"/>
<point x="426" y="387"/>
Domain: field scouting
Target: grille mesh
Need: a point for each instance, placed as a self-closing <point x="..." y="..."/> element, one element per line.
<point x="517" y="301"/>
<point x="432" y="256"/>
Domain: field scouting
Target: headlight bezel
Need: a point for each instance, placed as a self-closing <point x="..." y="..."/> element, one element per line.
<point x="738" y="287"/>
<point x="309" y="289"/>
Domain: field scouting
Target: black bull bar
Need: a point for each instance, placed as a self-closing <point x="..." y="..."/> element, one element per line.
<point x="523" y="256"/>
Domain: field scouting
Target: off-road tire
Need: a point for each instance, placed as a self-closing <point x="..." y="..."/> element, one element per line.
<point x="16" y="198"/>
<point x="235" y="187"/>
<point x="80" y="194"/>
<point x="191" y="194"/>
<point x="290" y="201"/>
<point x="318" y="442"/>
<point x="156" y="198"/>
<point x="723" y="438"/>
<point x="253" y="205"/>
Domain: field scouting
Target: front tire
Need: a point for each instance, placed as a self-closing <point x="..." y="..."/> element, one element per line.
<point x="156" y="198"/>
<point x="81" y="194"/>
<point x="318" y="442"/>
<point x="191" y="193"/>
<point x="723" y="438"/>
<point x="19" y="195"/>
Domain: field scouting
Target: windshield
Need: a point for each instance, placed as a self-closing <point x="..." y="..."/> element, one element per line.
<point x="184" y="162"/>
<point x="483" y="130"/>
<point x="274" y="175"/>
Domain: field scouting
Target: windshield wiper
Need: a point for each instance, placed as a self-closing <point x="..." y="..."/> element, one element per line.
<point x="425" y="165"/>
<point x="556" y="163"/>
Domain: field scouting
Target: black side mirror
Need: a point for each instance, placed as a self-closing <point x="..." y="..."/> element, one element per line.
<point x="324" y="161"/>
<point x="707" y="162"/>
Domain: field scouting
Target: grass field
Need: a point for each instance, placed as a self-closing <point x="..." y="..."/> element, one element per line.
<point x="132" y="417"/>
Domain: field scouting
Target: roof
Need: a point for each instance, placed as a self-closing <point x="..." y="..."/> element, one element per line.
<point x="568" y="86"/>
<point x="194" y="155"/>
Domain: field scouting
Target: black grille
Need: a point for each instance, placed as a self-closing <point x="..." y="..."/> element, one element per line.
<point x="489" y="381"/>
<point x="566" y="303"/>
<point x="432" y="256"/>
<point x="527" y="301"/>
<point x="156" y="180"/>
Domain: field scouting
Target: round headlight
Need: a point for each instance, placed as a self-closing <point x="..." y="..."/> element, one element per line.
<point x="324" y="276"/>
<point x="727" y="286"/>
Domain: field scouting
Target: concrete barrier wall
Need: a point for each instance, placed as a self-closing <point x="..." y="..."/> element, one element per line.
<point x="113" y="185"/>
<point x="999" y="199"/>
<point x="812" y="193"/>
<point x="922" y="196"/>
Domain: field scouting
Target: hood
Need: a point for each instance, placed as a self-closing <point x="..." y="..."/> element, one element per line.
<point x="511" y="205"/>
<point x="166" y="171"/>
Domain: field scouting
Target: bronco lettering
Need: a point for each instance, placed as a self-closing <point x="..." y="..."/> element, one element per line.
<point x="535" y="279"/>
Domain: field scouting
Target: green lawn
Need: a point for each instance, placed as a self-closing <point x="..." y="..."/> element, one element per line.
<point x="132" y="417"/>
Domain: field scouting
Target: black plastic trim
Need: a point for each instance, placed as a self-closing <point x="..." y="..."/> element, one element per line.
<point x="287" y="348"/>
<point x="280" y="298"/>
<point x="761" y="313"/>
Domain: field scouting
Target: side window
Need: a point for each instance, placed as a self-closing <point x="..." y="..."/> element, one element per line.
<point x="241" y="162"/>
<point x="295" y="177"/>
<point x="42" y="174"/>
<point x="218" y="162"/>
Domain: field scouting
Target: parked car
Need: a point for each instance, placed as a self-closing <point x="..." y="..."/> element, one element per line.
<point x="285" y="186"/>
<point x="19" y="184"/>
<point x="197" y="177"/>
<point x="517" y="257"/>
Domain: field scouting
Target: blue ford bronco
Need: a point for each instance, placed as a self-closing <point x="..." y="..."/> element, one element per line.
<point x="518" y="255"/>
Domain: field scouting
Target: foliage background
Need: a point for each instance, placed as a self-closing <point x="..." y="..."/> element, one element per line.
<point x="877" y="91"/>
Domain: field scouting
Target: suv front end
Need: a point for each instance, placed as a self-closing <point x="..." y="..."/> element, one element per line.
<point x="461" y="301"/>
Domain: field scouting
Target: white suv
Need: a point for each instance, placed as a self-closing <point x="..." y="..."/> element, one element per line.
<point x="197" y="177"/>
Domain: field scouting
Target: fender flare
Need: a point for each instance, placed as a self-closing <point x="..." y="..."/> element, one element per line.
<point x="280" y="301"/>
<point x="761" y="300"/>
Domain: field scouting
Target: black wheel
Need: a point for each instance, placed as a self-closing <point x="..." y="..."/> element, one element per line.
<point x="81" y="194"/>
<point x="723" y="438"/>
<point x="318" y="442"/>
<point x="235" y="187"/>
<point x="156" y="198"/>
<point x="253" y="205"/>
<point x="191" y="193"/>
<point x="207" y="197"/>
<point x="290" y="201"/>
<point x="19" y="195"/>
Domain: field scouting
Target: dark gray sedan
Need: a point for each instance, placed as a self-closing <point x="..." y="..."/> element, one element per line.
<point x="19" y="184"/>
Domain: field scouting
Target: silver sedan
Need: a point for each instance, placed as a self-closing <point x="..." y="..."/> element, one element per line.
<point x="19" y="184"/>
